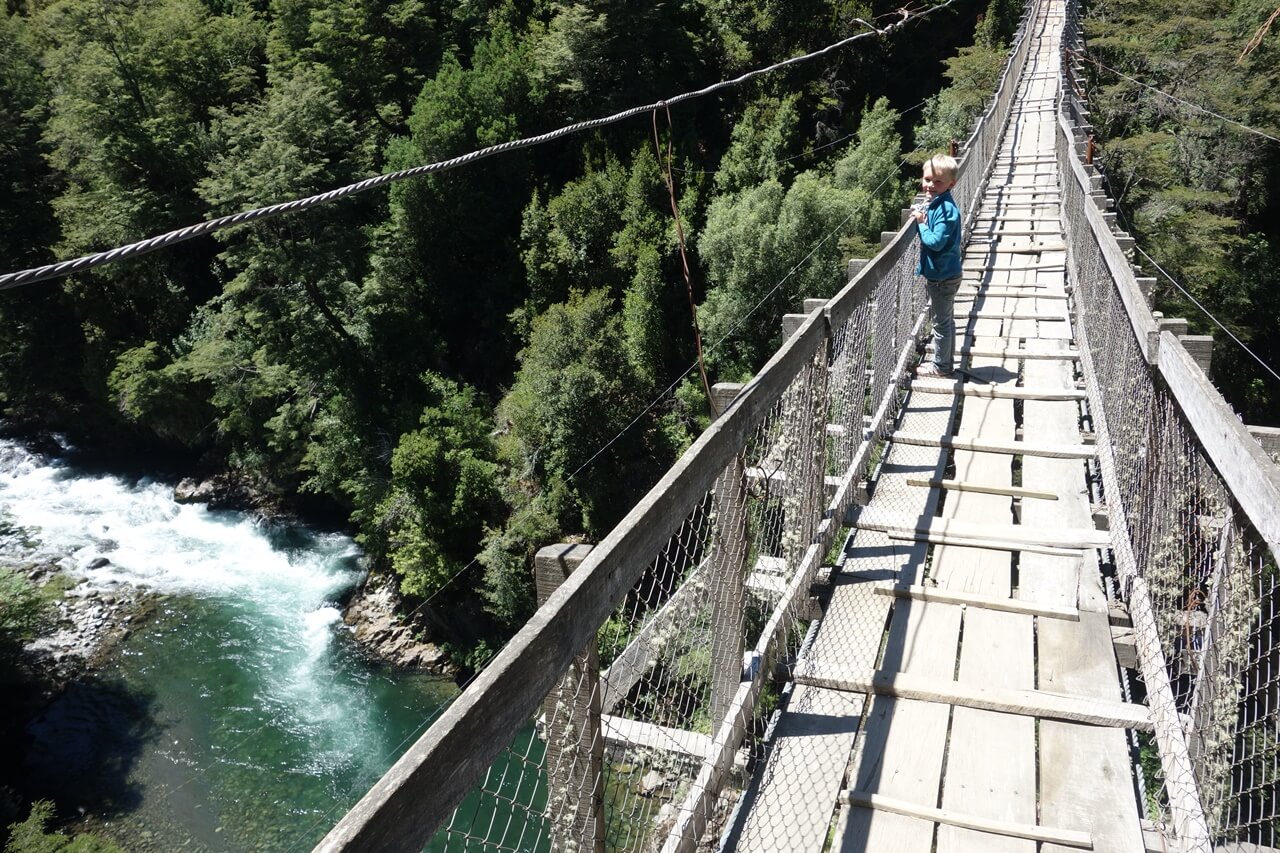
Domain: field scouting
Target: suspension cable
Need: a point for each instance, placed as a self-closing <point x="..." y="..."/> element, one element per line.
<point x="1207" y="312"/>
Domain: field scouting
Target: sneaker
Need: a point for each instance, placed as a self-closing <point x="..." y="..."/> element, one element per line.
<point x="929" y="370"/>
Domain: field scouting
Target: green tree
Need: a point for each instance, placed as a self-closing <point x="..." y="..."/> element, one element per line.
<point x="39" y="336"/>
<point x="761" y="145"/>
<point x="949" y="115"/>
<point x="567" y="241"/>
<point x="1198" y="193"/>
<point x="135" y="85"/>
<point x="611" y="54"/>
<point x="286" y="332"/>
<point x="23" y="613"/>
<point x="769" y="247"/>
<point x="443" y="490"/>
<point x="573" y="394"/>
<point x="32" y="836"/>
<point x="447" y="266"/>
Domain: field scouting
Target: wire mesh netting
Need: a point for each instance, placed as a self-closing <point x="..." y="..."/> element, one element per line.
<point x="1191" y="551"/>
<point x="628" y="728"/>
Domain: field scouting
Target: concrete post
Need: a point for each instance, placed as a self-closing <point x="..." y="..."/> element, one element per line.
<point x="728" y="574"/>
<point x="575" y="743"/>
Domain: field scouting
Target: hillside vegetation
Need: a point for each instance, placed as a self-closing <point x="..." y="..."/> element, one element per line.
<point x="1185" y="98"/>
<point x="463" y="365"/>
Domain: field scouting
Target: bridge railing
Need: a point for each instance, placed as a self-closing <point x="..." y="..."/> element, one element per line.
<point x="1194" y="505"/>
<point x="617" y="715"/>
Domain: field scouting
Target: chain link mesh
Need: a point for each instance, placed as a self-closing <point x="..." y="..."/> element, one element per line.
<point x="1210" y="578"/>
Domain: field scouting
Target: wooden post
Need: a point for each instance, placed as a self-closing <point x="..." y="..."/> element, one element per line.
<point x="728" y="567"/>
<point x="1089" y="149"/>
<point x="575" y="743"/>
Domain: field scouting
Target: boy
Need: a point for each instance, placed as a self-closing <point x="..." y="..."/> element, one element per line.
<point x="939" y="227"/>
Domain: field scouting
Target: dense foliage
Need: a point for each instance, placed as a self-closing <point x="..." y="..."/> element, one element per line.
<point x="1200" y="194"/>
<point x="23" y="612"/>
<point x="32" y="836"/>
<point x="462" y="366"/>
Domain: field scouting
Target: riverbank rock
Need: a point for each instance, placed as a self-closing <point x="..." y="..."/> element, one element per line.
<point x="86" y="622"/>
<point x="221" y="491"/>
<point x="373" y="615"/>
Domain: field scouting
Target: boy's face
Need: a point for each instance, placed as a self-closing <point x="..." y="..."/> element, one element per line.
<point x="933" y="185"/>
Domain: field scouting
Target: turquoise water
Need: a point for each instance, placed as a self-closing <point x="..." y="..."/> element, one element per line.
<point x="241" y="716"/>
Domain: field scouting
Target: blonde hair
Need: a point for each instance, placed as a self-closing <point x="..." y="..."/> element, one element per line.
<point x="943" y="166"/>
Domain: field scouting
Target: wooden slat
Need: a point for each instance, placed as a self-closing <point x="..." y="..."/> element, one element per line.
<point x="1015" y="352"/>
<point x="962" y="486"/>
<point x="1032" y="703"/>
<point x="1013" y="448"/>
<point x="1006" y="545"/>
<point x="969" y="389"/>
<point x="1066" y="837"/>
<point x="1062" y="537"/>
<point x="969" y="295"/>
<point x="621" y="731"/>
<point x="901" y="753"/>
<point x="1085" y="773"/>
<point x="1008" y="605"/>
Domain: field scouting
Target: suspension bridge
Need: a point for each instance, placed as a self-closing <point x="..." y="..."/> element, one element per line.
<point x="1031" y="608"/>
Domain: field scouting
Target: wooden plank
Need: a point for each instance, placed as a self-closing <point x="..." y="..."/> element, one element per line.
<point x="1085" y="773"/>
<point x="987" y="602"/>
<point x="1042" y="577"/>
<point x="986" y="312"/>
<point x="1013" y="448"/>
<point x="963" y="486"/>
<point x="981" y="570"/>
<point x="1016" y="353"/>
<point x="1033" y="249"/>
<point x="991" y="763"/>
<point x="987" y="544"/>
<point x="1031" y="703"/>
<point x="901" y="752"/>
<point x="1063" y="537"/>
<point x="621" y="731"/>
<point x="971" y="265"/>
<point x="968" y="389"/>
<point x="1050" y="834"/>
<point x="970" y="295"/>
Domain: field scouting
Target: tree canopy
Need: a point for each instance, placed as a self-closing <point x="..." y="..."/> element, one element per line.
<point x="478" y="362"/>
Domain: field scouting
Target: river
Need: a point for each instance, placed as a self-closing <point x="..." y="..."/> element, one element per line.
<point x="241" y="716"/>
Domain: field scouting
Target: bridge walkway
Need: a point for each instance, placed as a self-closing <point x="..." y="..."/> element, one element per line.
<point x="961" y="692"/>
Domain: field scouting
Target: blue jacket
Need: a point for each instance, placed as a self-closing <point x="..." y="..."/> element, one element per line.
<point x="940" y="236"/>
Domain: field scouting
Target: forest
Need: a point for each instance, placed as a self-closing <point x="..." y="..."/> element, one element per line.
<point x="1186" y="108"/>
<point x="483" y="361"/>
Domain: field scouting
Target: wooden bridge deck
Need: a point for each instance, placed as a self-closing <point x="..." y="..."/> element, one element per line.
<point x="961" y="691"/>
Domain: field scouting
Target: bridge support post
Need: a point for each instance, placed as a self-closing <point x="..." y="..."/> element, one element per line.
<point x="728" y="567"/>
<point x="575" y="743"/>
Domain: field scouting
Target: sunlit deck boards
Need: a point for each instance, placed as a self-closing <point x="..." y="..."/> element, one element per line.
<point x="1007" y="776"/>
